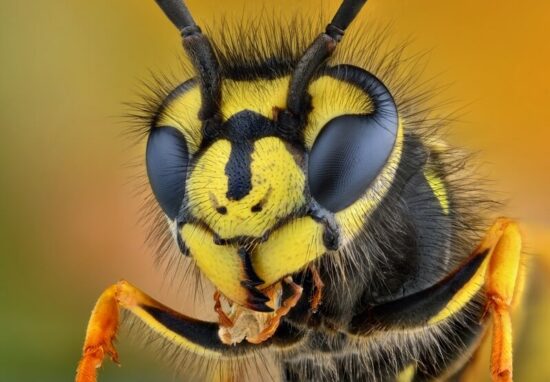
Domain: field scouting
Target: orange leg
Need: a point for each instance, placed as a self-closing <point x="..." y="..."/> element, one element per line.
<point x="502" y="285"/>
<point x="318" y="294"/>
<point x="173" y="326"/>
<point x="100" y="334"/>
<point x="223" y="318"/>
<point x="494" y="265"/>
<point x="503" y="275"/>
<point x="274" y="322"/>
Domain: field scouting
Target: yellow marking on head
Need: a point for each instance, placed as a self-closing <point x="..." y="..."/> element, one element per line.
<point x="331" y="98"/>
<point x="259" y="96"/>
<point x="438" y="188"/>
<point x="277" y="183"/>
<point x="352" y="219"/>
<point x="182" y="113"/>
<point x="289" y="249"/>
<point x="220" y="263"/>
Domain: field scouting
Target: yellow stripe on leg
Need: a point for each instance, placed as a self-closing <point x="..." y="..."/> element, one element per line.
<point x="132" y="299"/>
<point x="501" y="274"/>
<point x="464" y="295"/>
<point x="103" y="325"/>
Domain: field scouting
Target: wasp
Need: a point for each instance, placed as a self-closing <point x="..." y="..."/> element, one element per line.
<point x="332" y="225"/>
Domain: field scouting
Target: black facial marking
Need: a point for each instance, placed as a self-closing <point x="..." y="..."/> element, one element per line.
<point x="222" y="210"/>
<point x="256" y="299"/>
<point x="238" y="170"/>
<point x="242" y="129"/>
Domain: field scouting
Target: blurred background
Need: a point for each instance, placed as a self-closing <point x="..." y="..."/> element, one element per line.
<point x="69" y="225"/>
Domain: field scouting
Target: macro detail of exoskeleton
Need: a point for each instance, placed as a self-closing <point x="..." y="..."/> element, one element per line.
<point x="305" y="181"/>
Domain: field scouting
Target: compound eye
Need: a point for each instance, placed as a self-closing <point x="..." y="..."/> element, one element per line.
<point x="347" y="156"/>
<point x="167" y="158"/>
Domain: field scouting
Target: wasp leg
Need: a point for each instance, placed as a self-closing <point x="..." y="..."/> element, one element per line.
<point x="100" y="334"/>
<point x="318" y="286"/>
<point x="503" y="284"/>
<point x="196" y="336"/>
<point x="502" y="280"/>
<point x="274" y="322"/>
<point x="223" y="318"/>
<point x="495" y="264"/>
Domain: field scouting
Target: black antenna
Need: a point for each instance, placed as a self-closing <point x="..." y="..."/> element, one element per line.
<point x="321" y="49"/>
<point x="202" y="56"/>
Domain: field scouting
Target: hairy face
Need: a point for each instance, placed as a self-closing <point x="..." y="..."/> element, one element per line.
<point x="253" y="202"/>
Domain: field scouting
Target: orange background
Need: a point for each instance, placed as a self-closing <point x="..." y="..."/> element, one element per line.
<point x="69" y="225"/>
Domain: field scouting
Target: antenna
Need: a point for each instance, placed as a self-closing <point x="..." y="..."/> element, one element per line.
<point x="201" y="53"/>
<point x="321" y="49"/>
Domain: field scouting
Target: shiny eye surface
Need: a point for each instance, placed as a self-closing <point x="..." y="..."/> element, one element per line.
<point x="167" y="159"/>
<point x="351" y="150"/>
<point x="346" y="157"/>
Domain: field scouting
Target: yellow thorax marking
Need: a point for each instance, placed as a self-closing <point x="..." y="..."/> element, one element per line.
<point x="407" y="375"/>
<point x="438" y="188"/>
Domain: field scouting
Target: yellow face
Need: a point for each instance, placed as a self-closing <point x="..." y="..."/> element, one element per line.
<point x="247" y="212"/>
<point x="277" y="189"/>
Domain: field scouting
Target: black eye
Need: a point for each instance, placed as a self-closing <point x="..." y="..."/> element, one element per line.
<point x="351" y="150"/>
<point x="167" y="159"/>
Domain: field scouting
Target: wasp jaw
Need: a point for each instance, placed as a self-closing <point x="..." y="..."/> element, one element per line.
<point x="251" y="323"/>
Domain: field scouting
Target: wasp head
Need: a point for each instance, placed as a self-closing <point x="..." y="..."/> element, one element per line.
<point x="263" y="174"/>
